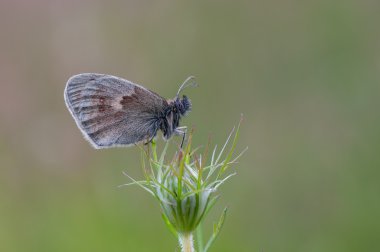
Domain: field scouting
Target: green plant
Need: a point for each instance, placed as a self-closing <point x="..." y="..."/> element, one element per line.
<point x="185" y="187"/>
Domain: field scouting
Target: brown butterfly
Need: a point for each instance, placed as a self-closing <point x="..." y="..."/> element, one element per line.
<point x="114" y="112"/>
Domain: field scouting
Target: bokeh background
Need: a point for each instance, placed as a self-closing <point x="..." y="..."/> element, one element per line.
<point x="305" y="74"/>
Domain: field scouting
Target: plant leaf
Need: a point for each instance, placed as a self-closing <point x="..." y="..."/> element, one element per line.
<point x="217" y="228"/>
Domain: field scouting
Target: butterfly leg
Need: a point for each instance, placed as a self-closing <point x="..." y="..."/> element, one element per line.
<point x="181" y="131"/>
<point x="150" y="140"/>
<point x="155" y="129"/>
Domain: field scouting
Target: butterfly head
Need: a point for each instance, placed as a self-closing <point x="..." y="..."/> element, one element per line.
<point x="183" y="106"/>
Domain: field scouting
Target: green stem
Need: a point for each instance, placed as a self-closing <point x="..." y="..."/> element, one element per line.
<point x="154" y="151"/>
<point x="199" y="238"/>
<point x="186" y="242"/>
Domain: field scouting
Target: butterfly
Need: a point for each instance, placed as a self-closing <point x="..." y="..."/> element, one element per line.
<point x="114" y="112"/>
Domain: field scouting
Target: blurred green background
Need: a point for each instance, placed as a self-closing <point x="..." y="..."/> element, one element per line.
<point x="305" y="74"/>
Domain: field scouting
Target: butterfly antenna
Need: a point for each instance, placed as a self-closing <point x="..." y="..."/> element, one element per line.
<point x="189" y="82"/>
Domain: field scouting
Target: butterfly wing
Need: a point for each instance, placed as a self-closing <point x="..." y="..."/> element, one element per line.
<point x="112" y="111"/>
